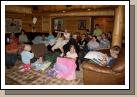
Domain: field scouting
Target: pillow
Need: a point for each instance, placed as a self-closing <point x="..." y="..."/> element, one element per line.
<point x="93" y="54"/>
<point x="97" y="57"/>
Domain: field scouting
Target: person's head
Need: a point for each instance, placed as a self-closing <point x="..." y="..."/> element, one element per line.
<point x="72" y="49"/>
<point x="50" y="33"/>
<point x="27" y="47"/>
<point x="94" y="38"/>
<point x="83" y="36"/>
<point x="22" y="31"/>
<point x="96" y="26"/>
<point x="103" y="36"/>
<point x="74" y="36"/>
<point x="114" y="51"/>
<point x="43" y="36"/>
<point x="12" y="35"/>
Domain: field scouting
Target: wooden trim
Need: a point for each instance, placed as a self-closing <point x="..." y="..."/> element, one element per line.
<point x="91" y="13"/>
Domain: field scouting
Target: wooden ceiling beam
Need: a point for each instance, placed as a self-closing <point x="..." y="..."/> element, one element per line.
<point x="88" y="13"/>
<point x="18" y="9"/>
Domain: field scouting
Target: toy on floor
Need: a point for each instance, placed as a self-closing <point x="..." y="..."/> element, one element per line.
<point x="39" y="65"/>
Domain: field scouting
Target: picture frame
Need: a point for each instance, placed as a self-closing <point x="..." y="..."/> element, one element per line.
<point x="13" y="25"/>
<point x="58" y="24"/>
<point x="82" y="25"/>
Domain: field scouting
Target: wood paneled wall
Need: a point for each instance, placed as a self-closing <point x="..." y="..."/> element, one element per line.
<point x="71" y="23"/>
<point x="44" y="23"/>
<point x="27" y="21"/>
<point x="106" y="23"/>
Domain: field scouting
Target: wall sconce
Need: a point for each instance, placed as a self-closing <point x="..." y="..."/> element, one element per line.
<point x="34" y="20"/>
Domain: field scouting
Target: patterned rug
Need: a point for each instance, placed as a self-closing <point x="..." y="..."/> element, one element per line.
<point x="36" y="78"/>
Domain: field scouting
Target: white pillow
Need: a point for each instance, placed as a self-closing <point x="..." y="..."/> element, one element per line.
<point x="97" y="57"/>
<point x="94" y="54"/>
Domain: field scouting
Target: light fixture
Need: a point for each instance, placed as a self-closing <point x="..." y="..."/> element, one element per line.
<point x="89" y="9"/>
<point x="34" y="20"/>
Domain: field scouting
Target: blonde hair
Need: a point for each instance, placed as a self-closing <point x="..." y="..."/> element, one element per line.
<point x="27" y="47"/>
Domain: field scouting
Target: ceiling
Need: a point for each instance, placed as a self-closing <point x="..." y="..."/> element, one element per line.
<point x="29" y="9"/>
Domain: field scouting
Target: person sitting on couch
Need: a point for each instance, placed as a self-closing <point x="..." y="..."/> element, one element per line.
<point x="104" y="42"/>
<point x="23" y="37"/>
<point x="93" y="44"/>
<point x="11" y="52"/>
<point x="103" y="59"/>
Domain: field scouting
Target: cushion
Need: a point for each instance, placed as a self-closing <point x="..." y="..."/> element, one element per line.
<point x="97" y="57"/>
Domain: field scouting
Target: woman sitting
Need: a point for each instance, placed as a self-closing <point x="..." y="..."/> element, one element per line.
<point x="93" y="44"/>
<point x="104" y="42"/>
<point x="11" y="51"/>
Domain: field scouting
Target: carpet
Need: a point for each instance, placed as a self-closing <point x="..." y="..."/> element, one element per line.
<point x="36" y="78"/>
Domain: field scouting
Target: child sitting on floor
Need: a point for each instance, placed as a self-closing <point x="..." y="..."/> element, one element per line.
<point x="72" y="53"/>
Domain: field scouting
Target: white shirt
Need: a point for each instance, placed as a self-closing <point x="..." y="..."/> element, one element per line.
<point x="93" y="45"/>
<point x="71" y="55"/>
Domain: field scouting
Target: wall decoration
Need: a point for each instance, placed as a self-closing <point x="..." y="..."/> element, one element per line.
<point x="58" y="24"/>
<point x="82" y="25"/>
<point x="13" y="25"/>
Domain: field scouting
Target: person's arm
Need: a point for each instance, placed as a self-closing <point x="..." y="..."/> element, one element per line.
<point x="26" y="38"/>
<point x="31" y="55"/>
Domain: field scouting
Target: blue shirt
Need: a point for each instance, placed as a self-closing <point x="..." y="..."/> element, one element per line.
<point x="26" y="57"/>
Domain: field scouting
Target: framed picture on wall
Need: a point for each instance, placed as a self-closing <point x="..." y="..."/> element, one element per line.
<point x="18" y="25"/>
<point x="58" y="24"/>
<point x="82" y="25"/>
<point x="13" y="25"/>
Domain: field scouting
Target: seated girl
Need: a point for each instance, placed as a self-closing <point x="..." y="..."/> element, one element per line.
<point x="66" y="66"/>
<point x="104" y="42"/>
<point x="72" y="53"/>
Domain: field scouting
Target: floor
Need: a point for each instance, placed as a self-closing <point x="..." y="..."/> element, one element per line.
<point x="9" y="81"/>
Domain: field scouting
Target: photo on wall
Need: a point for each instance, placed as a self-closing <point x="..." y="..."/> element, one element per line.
<point x="82" y="25"/>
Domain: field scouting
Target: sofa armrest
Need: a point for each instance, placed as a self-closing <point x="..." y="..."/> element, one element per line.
<point x="94" y="67"/>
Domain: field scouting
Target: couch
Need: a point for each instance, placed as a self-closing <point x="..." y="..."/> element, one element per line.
<point x="30" y="35"/>
<point x="39" y="50"/>
<point x="94" y="74"/>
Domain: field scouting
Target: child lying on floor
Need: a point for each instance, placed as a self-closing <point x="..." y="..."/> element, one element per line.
<point x="103" y="59"/>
